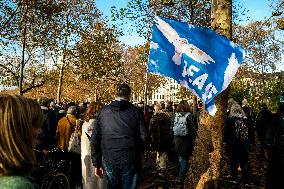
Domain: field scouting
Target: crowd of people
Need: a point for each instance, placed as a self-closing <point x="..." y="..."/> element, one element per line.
<point x="105" y="143"/>
<point x="244" y="129"/>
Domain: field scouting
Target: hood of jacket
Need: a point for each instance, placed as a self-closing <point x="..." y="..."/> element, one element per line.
<point x="236" y="111"/>
<point x="118" y="105"/>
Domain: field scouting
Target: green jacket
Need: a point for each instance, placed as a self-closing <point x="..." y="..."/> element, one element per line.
<point x="17" y="182"/>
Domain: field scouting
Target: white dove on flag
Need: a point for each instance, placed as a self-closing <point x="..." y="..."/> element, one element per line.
<point x="196" y="57"/>
<point x="181" y="45"/>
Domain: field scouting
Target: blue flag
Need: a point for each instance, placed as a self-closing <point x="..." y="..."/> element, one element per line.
<point x="197" y="58"/>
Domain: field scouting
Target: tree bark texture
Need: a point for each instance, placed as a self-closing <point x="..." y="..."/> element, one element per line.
<point x="23" y="61"/>
<point x="207" y="156"/>
<point x="59" y="89"/>
<point x="221" y="15"/>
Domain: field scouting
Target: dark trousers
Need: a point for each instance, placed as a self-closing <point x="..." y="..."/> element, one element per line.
<point x="121" y="176"/>
<point x="238" y="154"/>
<point x="277" y="167"/>
<point x="76" y="171"/>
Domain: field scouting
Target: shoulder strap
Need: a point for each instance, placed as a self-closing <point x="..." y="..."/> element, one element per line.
<point x="70" y="122"/>
<point x="181" y="115"/>
<point x="187" y="114"/>
<point x="89" y="137"/>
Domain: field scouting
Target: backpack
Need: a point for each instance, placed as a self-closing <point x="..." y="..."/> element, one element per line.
<point x="74" y="142"/>
<point x="241" y="129"/>
<point x="180" y="125"/>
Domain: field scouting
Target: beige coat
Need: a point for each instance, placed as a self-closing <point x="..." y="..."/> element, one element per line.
<point x="90" y="181"/>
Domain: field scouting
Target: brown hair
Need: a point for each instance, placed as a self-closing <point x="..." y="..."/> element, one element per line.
<point x="183" y="106"/>
<point x="123" y="90"/>
<point x="92" y="110"/>
<point x="19" y="119"/>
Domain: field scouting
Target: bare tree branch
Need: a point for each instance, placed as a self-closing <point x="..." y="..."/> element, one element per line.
<point x="9" y="19"/>
<point x="15" y="76"/>
<point x="33" y="86"/>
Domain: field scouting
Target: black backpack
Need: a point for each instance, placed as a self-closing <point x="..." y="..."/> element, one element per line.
<point x="241" y="129"/>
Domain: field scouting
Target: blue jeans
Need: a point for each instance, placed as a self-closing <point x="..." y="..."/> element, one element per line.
<point x="183" y="168"/>
<point x="121" y="176"/>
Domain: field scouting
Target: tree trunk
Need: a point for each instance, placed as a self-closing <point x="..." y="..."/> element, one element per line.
<point x="58" y="98"/>
<point x="61" y="71"/>
<point x="207" y="169"/>
<point x="195" y="105"/>
<point x="59" y="89"/>
<point x="221" y="15"/>
<point x="23" y="61"/>
<point x="145" y="90"/>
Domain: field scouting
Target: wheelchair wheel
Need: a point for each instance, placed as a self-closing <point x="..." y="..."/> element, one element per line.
<point x="47" y="179"/>
<point x="58" y="181"/>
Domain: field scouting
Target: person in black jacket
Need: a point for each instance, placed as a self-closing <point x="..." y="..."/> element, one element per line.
<point x="263" y="121"/>
<point x="184" y="139"/>
<point x="237" y="137"/>
<point x="275" y="143"/>
<point x="250" y="120"/>
<point x="160" y="129"/>
<point x="46" y="138"/>
<point x="117" y="141"/>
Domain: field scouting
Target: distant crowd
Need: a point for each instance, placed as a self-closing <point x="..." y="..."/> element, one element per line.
<point x="105" y="144"/>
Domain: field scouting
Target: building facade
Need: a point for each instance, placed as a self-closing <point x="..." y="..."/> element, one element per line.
<point x="166" y="92"/>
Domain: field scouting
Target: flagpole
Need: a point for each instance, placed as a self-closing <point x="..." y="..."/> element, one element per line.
<point x="146" y="74"/>
<point x="146" y="88"/>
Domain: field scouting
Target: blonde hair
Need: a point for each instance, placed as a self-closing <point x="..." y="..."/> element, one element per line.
<point x="19" y="119"/>
<point x="157" y="107"/>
